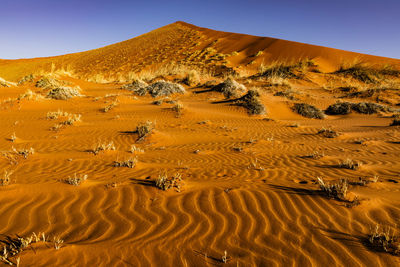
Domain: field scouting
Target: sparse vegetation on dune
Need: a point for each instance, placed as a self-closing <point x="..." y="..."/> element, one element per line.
<point x="164" y="182"/>
<point x="163" y="88"/>
<point x="328" y="133"/>
<point x="384" y="240"/>
<point x="27" y="78"/>
<point x="76" y="179"/>
<point x="286" y="70"/>
<point x="229" y="88"/>
<point x="5" y="179"/>
<point x="342" y="108"/>
<point x="137" y="86"/>
<point x="251" y="101"/>
<point x="30" y="95"/>
<point x="367" y="74"/>
<point x="308" y="111"/>
<point x="144" y="129"/>
<point x="337" y="191"/>
<point x="103" y="147"/>
<point x="63" y="93"/>
<point x="192" y="78"/>
<point x="349" y="164"/>
<point x="14" y="246"/>
<point x="129" y="163"/>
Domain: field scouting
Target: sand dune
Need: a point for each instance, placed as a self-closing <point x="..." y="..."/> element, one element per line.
<point x="249" y="182"/>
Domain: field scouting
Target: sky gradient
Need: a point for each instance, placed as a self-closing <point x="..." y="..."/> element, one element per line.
<point x="38" y="28"/>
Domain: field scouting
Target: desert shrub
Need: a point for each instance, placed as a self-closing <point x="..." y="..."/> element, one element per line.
<point x="27" y="78"/>
<point x="76" y="180"/>
<point x="144" y="129"/>
<point x="163" y="182"/>
<point x="48" y="82"/>
<point x="178" y="109"/>
<point x="229" y="88"/>
<point x="103" y="147"/>
<point x="328" y="133"/>
<point x="63" y="93"/>
<point x="25" y="152"/>
<point x="129" y="163"/>
<point x="308" y="111"/>
<point x="289" y="94"/>
<point x="342" y="108"/>
<point x="52" y="115"/>
<point x="369" y="108"/>
<point x="395" y="122"/>
<point x="158" y="102"/>
<point x="109" y="107"/>
<point x="349" y="164"/>
<point x="315" y="155"/>
<point x="137" y="86"/>
<point x="385" y="241"/>
<point x="336" y="190"/>
<point x="286" y="71"/>
<point x="134" y="149"/>
<point x="252" y="102"/>
<point x="163" y="88"/>
<point x="367" y="74"/>
<point x="192" y="78"/>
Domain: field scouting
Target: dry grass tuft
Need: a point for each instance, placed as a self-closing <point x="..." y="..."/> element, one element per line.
<point x="103" y="147"/>
<point x="349" y="164"/>
<point x="384" y="240"/>
<point x="178" y="109"/>
<point x="5" y="180"/>
<point x="163" y="88"/>
<point x="338" y="191"/>
<point x="251" y="101"/>
<point x="27" y="78"/>
<point x="229" y="88"/>
<point x="30" y="95"/>
<point x="328" y="133"/>
<point x="134" y="149"/>
<point x="192" y="78"/>
<point x="76" y="180"/>
<point x="14" y="246"/>
<point x="164" y="183"/>
<point x="25" y="152"/>
<point x="53" y="115"/>
<point x="137" y="86"/>
<point x="308" y="111"/>
<point x="144" y="129"/>
<point x="109" y="107"/>
<point x="129" y="163"/>
<point x="342" y="108"/>
<point x="63" y="93"/>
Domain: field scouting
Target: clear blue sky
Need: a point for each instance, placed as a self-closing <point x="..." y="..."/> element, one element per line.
<point x="33" y="28"/>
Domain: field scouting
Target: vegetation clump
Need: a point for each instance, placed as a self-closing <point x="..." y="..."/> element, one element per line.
<point x="328" y="133"/>
<point x="4" y="83"/>
<point x="137" y="86"/>
<point x="369" y="108"/>
<point x="27" y="78"/>
<point x="365" y="73"/>
<point x="129" y="163"/>
<point x="251" y="102"/>
<point x="164" y="183"/>
<point x="5" y="180"/>
<point x="76" y="180"/>
<point x="63" y="93"/>
<point x="229" y="88"/>
<point x="336" y="190"/>
<point x="192" y="78"/>
<point x="47" y="82"/>
<point x="385" y="241"/>
<point x="342" y="108"/>
<point x="144" y="129"/>
<point x="163" y="88"/>
<point x="308" y="111"/>
<point x="349" y="164"/>
<point x="395" y="122"/>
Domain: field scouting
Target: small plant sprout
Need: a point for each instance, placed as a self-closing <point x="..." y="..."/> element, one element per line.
<point x="134" y="149"/>
<point x="13" y="137"/>
<point x="225" y="257"/>
<point x="57" y="242"/>
<point x="5" y="180"/>
<point x="76" y="180"/>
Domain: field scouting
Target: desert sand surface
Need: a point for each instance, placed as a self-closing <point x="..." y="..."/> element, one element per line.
<point x="249" y="193"/>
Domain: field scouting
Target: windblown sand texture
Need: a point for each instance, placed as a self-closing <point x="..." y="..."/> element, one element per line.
<point x="249" y="187"/>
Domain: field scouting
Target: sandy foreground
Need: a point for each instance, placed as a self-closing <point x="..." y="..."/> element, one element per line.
<point x="249" y="194"/>
<point x="248" y="187"/>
